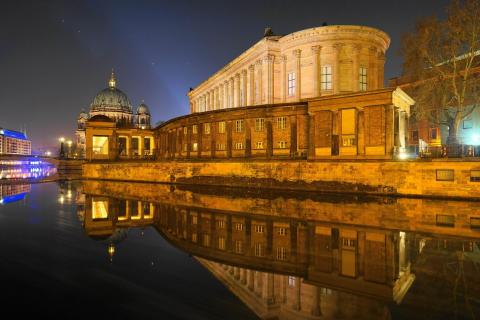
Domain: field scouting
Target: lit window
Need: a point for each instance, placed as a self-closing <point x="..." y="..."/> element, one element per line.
<point x="194" y="237"/>
<point x="195" y="146"/>
<point x="238" y="246"/>
<point x="100" y="145"/>
<point x="194" y="129"/>
<point x="259" y="124"/>
<point x="363" y="78"/>
<point x="99" y="209"/>
<point x="206" y="128"/>
<point x="239" y="226"/>
<point x="282" y="231"/>
<point x="221" y="243"/>
<point x="468" y="124"/>
<point x="220" y="146"/>
<point x="291" y="83"/>
<point x="221" y="224"/>
<point x="282" y="144"/>
<point x="259" y="250"/>
<point x="259" y="145"/>
<point x="348" y="140"/>
<point x="185" y="146"/>
<point x="326" y="78"/>
<point x="239" y="126"/>
<point x="194" y="219"/>
<point x="291" y="281"/>
<point x="221" y="127"/>
<point x="239" y="146"/>
<point x="281" y="253"/>
<point x="185" y="130"/>
<point x="282" y="123"/>
<point x="433" y="133"/>
<point x="259" y="229"/>
<point x="206" y="239"/>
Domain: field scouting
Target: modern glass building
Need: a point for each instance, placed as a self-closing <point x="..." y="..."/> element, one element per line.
<point x="14" y="142"/>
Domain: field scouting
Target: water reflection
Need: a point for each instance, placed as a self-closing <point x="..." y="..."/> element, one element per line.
<point x="13" y="192"/>
<point x="292" y="256"/>
<point x="28" y="168"/>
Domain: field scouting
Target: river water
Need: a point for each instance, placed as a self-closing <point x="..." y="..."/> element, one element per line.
<point x="131" y="250"/>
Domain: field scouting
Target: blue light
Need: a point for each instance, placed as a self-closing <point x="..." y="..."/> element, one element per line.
<point x="13" y="134"/>
<point x="14" y="198"/>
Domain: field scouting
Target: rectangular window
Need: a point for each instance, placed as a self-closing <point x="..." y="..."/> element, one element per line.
<point x="100" y="145"/>
<point x="259" y="250"/>
<point x="185" y="146"/>
<point x="445" y="175"/>
<point x="194" y="237"/>
<point x="291" y="281"/>
<point x="195" y="146"/>
<point x="194" y="219"/>
<point x="282" y="144"/>
<point x="239" y="226"/>
<point x="221" y="243"/>
<point x="259" y="124"/>
<point x="185" y="130"/>
<point x="348" y="141"/>
<point x="281" y="253"/>
<point x="238" y="246"/>
<point x="281" y="123"/>
<point x="362" y="78"/>
<point x="282" y="231"/>
<point x="475" y="176"/>
<point x="206" y="239"/>
<point x="221" y="224"/>
<point x="206" y="128"/>
<point x="239" y="125"/>
<point x="146" y="145"/>
<point x="220" y="146"/>
<point x="326" y="78"/>
<point x="445" y="220"/>
<point x="433" y="133"/>
<point x="467" y="124"/>
<point x="259" y="228"/>
<point x="239" y="146"/>
<point x="291" y="83"/>
<point x="221" y="127"/>
<point x="194" y="129"/>
<point x="259" y="145"/>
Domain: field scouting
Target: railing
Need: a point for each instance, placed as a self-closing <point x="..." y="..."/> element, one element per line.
<point x="450" y="151"/>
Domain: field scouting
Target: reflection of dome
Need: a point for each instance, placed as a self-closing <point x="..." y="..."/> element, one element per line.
<point x="111" y="99"/>
<point x="143" y="109"/>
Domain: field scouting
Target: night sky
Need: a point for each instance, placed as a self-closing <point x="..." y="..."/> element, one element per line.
<point x="56" y="55"/>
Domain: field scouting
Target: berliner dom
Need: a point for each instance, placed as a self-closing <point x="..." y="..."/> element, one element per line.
<point x="114" y="104"/>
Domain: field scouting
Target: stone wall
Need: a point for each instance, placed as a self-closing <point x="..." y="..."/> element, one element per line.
<point x="406" y="178"/>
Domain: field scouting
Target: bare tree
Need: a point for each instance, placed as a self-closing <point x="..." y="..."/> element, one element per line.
<point x="442" y="61"/>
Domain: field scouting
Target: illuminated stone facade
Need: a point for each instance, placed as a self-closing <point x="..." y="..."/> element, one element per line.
<point x="305" y="64"/>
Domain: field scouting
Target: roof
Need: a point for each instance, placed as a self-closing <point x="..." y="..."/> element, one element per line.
<point x="13" y="134"/>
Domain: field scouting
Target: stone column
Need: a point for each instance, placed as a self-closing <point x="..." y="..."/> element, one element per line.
<point x="244" y="88"/>
<point x="336" y="67"/>
<point x="380" y="69"/>
<point x="208" y="107"/>
<point x="237" y="90"/>
<point x="220" y="96"/>
<point x="225" y="94"/>
<point x="251" y="85"/>
<point x="316" y="51"/>
<point x="212" y="99"/>
<point x="250" y="280"/>
<point x="284" y="78"/>
<point x="356" y="67"/>
<point x="259" y="98"/>
<point x="231" y="94"/>
<point x="372" y="69"/>
<point x="297" y="305"/>
<point x="243" y="275"/>
<point x="316" y="311"/>
<point x="298" y="76"/>
<point x="204" y="98"/>
<point x="270" y="289"/>
<point x="236" y="272"/>
<point x="270" y="73"/>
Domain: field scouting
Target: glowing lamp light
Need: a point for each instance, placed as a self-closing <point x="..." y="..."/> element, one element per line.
<point x="61" y="139"/>
<point x="476" y="139"/>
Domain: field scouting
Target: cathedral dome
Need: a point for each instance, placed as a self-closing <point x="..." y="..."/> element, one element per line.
<point x="143" y="109"/>
<point x="111" y="99"/>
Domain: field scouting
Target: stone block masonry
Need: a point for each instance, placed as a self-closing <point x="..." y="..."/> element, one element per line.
<point x="442" y="179"/>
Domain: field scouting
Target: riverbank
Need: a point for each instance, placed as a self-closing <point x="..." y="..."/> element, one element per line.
<point x="436" y="179"/>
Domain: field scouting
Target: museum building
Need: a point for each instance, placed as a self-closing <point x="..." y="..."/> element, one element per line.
<point x="317" y="94"/>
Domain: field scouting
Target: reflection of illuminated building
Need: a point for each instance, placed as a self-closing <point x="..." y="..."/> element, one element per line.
<point x="25" y="169"/>
<point x="307" y="258"/>
<point x="13" y="192"/>
<point x="14" y="142"/>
